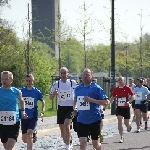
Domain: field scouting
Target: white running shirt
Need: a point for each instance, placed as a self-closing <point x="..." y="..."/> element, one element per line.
<point x="65" y="92"/>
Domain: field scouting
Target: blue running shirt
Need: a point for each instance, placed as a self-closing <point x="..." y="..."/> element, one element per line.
<point x="89" y="112"/>
<point x="31" y="98"/>
<point x="141" y="94"/>
<point x="9" y="110"/>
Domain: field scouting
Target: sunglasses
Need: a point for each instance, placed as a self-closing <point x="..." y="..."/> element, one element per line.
<point x="63" y="73"/>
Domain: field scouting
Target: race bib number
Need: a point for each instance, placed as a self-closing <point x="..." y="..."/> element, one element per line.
<point x="121" y="101"/>
<point x="81" y="105"/>
<point x="138" y="96"/>
<point x="64" y="95"/>
<point x="29" y="102"/>
<point x="7" y="117"/>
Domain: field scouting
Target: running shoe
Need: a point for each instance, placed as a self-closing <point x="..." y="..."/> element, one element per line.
<point x="34" y="136"/>
<point x="138" y="130"/>
<point x="129" y="128"/>
<point x="88" y="139"/>
<point x="121" y="140"/>
<point x="71" y="146"/>
<point x="101" y="138"/>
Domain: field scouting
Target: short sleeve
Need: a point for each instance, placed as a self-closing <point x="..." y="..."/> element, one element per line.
<point x="54" y="86"/>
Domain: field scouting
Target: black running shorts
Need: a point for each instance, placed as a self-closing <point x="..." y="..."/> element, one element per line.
<point x="9" y="131"/>
<point x="124" y="112"/>
<point x="64" y="112"/>
<point x="83" y="130"/>
<point x="143" y="107"/>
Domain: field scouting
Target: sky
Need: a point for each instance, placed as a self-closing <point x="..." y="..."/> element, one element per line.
<point x="132" y="18"/>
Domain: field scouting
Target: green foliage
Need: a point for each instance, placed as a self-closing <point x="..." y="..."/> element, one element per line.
<point x="51" y="109"/>
<point x="13" y="58"/>
<point x="98" y="58"/>
<point x="72" y="55"/>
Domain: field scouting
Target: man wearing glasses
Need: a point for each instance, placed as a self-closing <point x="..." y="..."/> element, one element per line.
<point x="64" y="90"/>
<point x="31" y="95"/>
<point x="123" y="95"/>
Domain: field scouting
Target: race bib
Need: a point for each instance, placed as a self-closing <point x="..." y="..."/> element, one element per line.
<point x="81" y="105"/>
<point x="138" y="95"/>
<point x="121" y="101"/>
<point x="29" y="102"/>
<point x="7" y="117"/>
<point x="64" y="95"/>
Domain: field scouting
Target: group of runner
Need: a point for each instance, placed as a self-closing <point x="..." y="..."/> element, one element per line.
<point x="86" y="101"/>
<point x="15" y="105"/>
<point x="82" y="100"/>
<point x="136" y="94"/>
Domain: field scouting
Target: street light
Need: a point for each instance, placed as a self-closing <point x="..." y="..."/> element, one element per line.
<point x="113" y="68"/>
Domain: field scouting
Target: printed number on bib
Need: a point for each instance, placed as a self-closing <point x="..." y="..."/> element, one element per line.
<point x="29" y="102"/>
<point x="81" y="105"/>
<point x="64" y="95"/>
<point x="7" y="117"/>
<point x="121" y="101"/>
<point x="138" y="95"/>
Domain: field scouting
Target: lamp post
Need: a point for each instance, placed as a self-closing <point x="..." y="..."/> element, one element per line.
<point x="113" y="80"/>
<point x="59" y="36"/>
<point x="28" y="46"/>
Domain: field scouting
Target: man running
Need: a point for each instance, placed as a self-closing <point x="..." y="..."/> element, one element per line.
<point x="9" y="111"/>
<point x="141" y="103"/>
<point x="64" y="90"/>
<point x="88" y="97"/>
<point x="31" y="96"/>
<point x="123" y="95"/>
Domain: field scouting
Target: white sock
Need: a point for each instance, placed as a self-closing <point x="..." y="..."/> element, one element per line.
<point x="67" y="146"/>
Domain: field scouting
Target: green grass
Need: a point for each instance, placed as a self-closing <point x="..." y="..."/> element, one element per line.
<point x="50" y="107"/>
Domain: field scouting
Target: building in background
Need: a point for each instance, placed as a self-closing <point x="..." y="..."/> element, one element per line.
<point x="45" y="14"/>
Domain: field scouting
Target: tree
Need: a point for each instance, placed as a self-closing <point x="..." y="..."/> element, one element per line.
<point x="72" y="55"/>
<point x="84" y="30"/>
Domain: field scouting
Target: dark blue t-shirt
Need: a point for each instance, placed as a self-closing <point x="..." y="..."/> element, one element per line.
<point x="89" y="112"/>
<point x="31" y="98"/>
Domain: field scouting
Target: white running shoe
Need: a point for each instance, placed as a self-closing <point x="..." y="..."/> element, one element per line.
<point x="71" y="146"/>
<point x="138" y="130"/>
<point x="121" y="140"/>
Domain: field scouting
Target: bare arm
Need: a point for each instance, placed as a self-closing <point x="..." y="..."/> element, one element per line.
<point x="55" y="93"/>
<point x="131" y="98"/>
<point x="43" y="110"/>
<point x="21" y="101"/>
<point x="74" y="104"/>
<point x="74" y="113"/>
<point x="43" y="106"/>
<point x="112" y="100"/>
<point x="22" y="105"/>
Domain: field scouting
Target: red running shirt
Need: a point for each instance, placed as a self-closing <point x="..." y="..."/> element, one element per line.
<point x="122" y="94"/>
